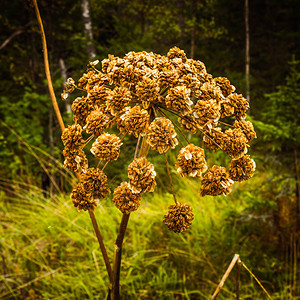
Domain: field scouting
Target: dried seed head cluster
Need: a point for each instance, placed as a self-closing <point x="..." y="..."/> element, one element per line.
<point x="179" y="217"/>
<point x="191" y="161"/>
<point x="136" y="95"/>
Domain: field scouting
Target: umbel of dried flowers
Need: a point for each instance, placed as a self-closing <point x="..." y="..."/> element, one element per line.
<point x="155" y="98"/>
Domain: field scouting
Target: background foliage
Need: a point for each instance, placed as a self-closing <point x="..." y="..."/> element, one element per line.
<point x="260" y="220"/>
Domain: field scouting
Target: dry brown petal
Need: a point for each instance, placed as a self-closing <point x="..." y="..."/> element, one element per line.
<point x="83" y="199"/>
<point x="241" y="169"/>
<point x="247" y="128"/>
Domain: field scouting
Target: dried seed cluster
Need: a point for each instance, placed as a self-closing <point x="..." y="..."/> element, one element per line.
<point x="137" y="94"/>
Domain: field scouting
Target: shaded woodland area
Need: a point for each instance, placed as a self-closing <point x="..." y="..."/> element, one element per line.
<point x="212" y="31"/>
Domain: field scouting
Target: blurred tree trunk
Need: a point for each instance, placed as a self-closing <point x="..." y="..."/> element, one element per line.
<point x="247" y="56"/>
<point x="87" y="24"/>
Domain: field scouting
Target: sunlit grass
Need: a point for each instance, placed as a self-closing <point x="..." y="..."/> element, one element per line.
<point x="49" y="249"/>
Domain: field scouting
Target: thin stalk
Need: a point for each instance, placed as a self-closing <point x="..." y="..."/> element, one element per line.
<point x="47" y="68"/>
<point x="226" y="274"/>
<point x="105" y="166"/>
<point x="137" y="147"/>
<point x="238" y="279"/>
<point x="257" y="281"/>
<point x="170" y="178"/>
<point x="102" y="247"/>
<point x="177" y="127"/>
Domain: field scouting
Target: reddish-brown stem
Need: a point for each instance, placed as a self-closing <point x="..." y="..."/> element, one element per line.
<point x="170" y="178"/>
<point x="102" y="247"/>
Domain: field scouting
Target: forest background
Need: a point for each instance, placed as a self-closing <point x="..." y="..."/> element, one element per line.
<point x="46" y="246"/>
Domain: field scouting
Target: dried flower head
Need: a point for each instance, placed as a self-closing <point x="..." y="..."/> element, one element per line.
<point x="141" y="176"/>
<point x="161" y="135"/>
<point x="188" y="122"/>
<point x="83" y="199"/>
<point x="118" y="99"/>
<point x="216" y="181"/>
<point x="107" y="147"/>
<point x="75" y="160"/>
<point x="95" y="181"/>
<point x="247" y="128"/>
<point x="225" y="86"/>
<point x="179" y="217"/>
<point x="147" y="90"/>
<point x="98" y="96"/>
<point x="191" y="161"/>
<point x="240" y="105"/>
<point x="83" y="81"/>
<point x="178" y="99"/>
<point x="125" y="200"/>
<point x="81" y="109"/>
<point x="134" y="121"/>
<point x="241" y="169"/>
<point x="234" y="143"/>
<point x="175" y="52"/>
<point x="72" y="138"/>
<point x="69" y="85"/>
<point x="96" y="122"/>
<point x="207" y="113"/>
<point x="212" y="139"/>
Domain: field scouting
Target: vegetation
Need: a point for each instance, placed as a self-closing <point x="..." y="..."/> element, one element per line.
<point x="48" y="249"/>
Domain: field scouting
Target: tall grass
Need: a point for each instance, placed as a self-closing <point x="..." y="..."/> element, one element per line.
<point x="48" y="249"/>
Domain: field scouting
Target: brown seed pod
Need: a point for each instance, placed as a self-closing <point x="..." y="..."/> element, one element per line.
<point x="241" y="169"/>
<point x="216" y="181"/>
<point x="161" y="135"/>
<point x="178" y="99"/>
<point x="141" y="176"/>
<point x="134" y="121"/>
<point x="75" y="160"/>
<point x="247" y="128"/>
<point x="224" y="84"/>
<point x="179" y="217"/>
<point x="240" y="105"/>
<point x="125" y="200"/>
<point x="96" y="122"/>
<point x="83" y="199"/>
<point x="191" y="161"/>
<point x="95" y="181"/>
<point x="147" y="91"/>
<point x="72" y="138"/>
<point x="175" y="52"/>
<point x="118" y="99"/>
<point x="107" y="147"/>
<point x="212" y="139"/>
<point x="81" y="109"/>
<point x="206" y="113"/>
<point x="234" y="143"/>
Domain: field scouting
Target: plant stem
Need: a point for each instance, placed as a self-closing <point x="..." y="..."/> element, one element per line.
<point x="101" y="244"/>
<point x="170" y="178"/>
<point x="47" y="69"/>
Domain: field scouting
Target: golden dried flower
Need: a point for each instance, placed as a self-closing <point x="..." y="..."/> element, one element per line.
<point x="168" y="78"/>
<point x="141" y="176"/>
<point x="69" y="85"/>
<point x="241" y="169"/>
<point x="175" y="52"/>
<point x="83" y="81"/>
<point x="96" y="122"/>
<point x="212" y="139"/>
<point x="107" y="147"/>
<point x="240" y="105"/>
<point x="216" y="182"/>
<point x="98" y="96"/>
<point x="179" y="217"/>
<point x="81" y="109"/>
<point x="225" y="86"/>
<point x="178" y="99"/>
<point x="234" y="143"/>
<point x="75" y="160"/>
<point x="118" y="99"/>
<point x="98" y="79"/>
<point x="191" y="161"/>
<point x="147" y="91"/>
<point x="210" y="91"/>
<point x="206" y="113"/>
<point x="134" y="121"/>
<point x="247" y="128"/>
<point x="125" y="200"/>
<point x="72" y="138"/>
<point x="161" y="135"/>
<point x="95" y="181"/>
<point x="188" y="123"/>
<point x="83" y="199"/>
